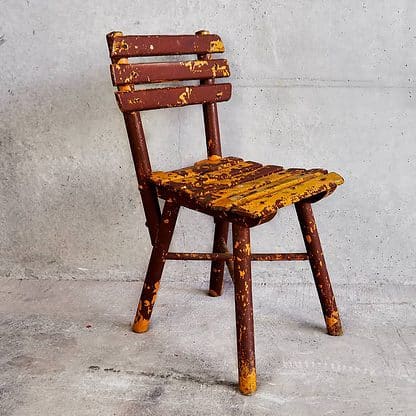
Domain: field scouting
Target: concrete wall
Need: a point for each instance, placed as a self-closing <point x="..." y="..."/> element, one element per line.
<point x="316" y="84"/>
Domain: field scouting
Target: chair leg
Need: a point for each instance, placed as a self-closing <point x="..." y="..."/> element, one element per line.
<point x="244" y="309"/>
<point x="155" y="268"/>
<point x="217" y="267"/>
<point x="318" y="266"/>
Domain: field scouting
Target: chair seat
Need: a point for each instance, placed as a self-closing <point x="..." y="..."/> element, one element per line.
<point x="242" y="191"/>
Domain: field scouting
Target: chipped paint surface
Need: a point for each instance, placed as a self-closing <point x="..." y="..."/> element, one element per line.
<point x="120" y="46"/>
<point x="333" y="323"/>
<point x="243" y="188"/>
<point x="153" y="98"/>
<point x="244" y="309"/>
<point x="195" y="66"/>
<point x="133" y="100"/>
<point x="247" y="382"/>
<point x="155" y="72"/>
<point x="124" y="61"/>
<point x="183" y="98"/>
<point x="318" y="266"/>
<point x="153" y="45"/>
<point x="220" y="70"/>
<point x="214" y="158"/>
<point x="216" y="46"/>
<point x="141" y="325"/>
<point x="126" y="88"/>
<point x="154" y="271"/>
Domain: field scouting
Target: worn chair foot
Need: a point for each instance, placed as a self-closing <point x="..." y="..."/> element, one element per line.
<point x="247" y="383"/>
<point x="213" y="293"/>
<point x="333" y="324"/>
<point x="140" y="325"/>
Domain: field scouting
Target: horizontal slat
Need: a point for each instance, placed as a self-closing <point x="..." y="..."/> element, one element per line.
<point x="199" y="168"/>
<point x="229" y="256"/>
<point x="279" y="256"/>
<point x="172" y="97"/>
<point x="257" y="188"/>
<point x="268" y="203"/>
<point x="145" y="73"/>
<point x="198" y="256"/>
<point x="158" y="45"/>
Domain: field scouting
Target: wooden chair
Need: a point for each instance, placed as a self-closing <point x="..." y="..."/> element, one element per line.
<point x="231" y="190"/>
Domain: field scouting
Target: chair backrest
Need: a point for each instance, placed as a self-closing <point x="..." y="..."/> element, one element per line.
<point x="131" y="101"/>
<point x="126" y="75"/>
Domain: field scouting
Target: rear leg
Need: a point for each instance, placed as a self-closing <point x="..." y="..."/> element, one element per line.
<point x="217" y="266"/>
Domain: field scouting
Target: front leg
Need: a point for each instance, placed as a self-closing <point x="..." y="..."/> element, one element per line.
<point x="155" y="268"/>
<point x="244" y="309"/>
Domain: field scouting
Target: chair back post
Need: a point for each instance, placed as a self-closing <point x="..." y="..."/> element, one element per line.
<point x="212" y="129"/>
<point x="140" y="156"/>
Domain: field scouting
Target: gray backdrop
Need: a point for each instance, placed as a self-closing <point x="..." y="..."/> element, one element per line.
<point x="316" y="84"/>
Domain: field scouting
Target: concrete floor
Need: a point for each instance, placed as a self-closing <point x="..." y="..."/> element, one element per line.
<point x="66" y="349"/>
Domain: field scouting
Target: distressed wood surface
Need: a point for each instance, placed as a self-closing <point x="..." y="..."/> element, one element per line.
<point x="244" y="189"/>
<point x="155" y="98"/>
<point x="318" y="266"/>
<point x="210" y="111"/>
<point x="144" y="73"/>
<point x="228" y="256"/>
<point x="127" y="46"/>
<point x="244" y="309"/>
<point x="155" y="267"/>
<point x="143" y="170"/>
